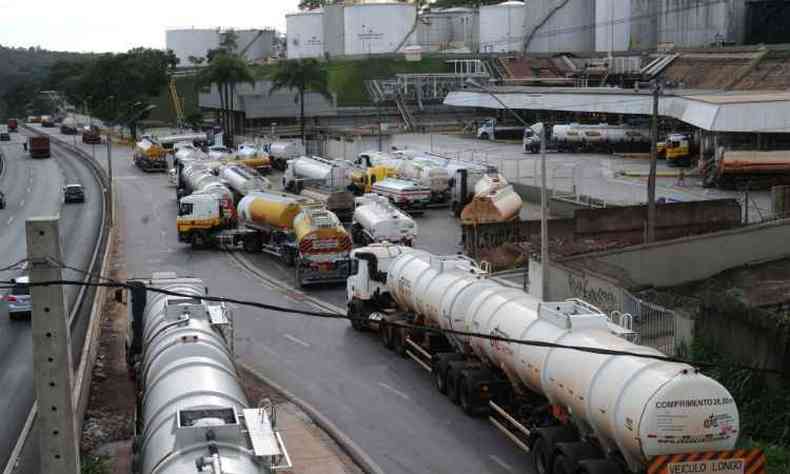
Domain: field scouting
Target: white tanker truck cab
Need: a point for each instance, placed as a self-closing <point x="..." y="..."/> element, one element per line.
<point x="577" y="412"/>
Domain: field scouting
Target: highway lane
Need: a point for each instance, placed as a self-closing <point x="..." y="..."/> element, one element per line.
<point x="384" y="403"/>
<point x="34" y="188"/>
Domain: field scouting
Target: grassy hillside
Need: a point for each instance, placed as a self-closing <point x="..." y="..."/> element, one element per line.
<point x="187" y="89"/>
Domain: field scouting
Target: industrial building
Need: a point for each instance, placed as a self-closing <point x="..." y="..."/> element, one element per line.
<point x="255" y="45"/>
<point x="535" y="26"/>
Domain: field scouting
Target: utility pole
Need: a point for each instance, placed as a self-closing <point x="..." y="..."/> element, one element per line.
<point x="544" y="219"/>
<point x="109" y="174"/>
<point x="52" y="369"/>
<point x="651" y="180"/>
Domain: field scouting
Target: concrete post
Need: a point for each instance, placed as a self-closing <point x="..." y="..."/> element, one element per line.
<point x="651" y="180"/>
<point x="52" y="369"/>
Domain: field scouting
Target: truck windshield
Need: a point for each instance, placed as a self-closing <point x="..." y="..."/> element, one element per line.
<point x="185" y="209"/>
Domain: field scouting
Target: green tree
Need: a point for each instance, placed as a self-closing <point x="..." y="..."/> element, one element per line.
<point x="306" y="75"/>
<point x="226" y="71"/>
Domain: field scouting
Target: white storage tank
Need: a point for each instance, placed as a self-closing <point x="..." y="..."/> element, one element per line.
<point x="696" y="23"/>
<point x="196" y="42"/>
<point x="465" y="25"/>
<point x="613" y="25"/>
<point x="377" y="28"/>
<point x="558" y="26"/>
<point x="502" y="27"/>
<point x="305" y="34"/>
<point x="434" y="31"/>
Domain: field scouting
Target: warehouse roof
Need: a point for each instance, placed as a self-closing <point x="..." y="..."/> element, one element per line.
<point x="716" y="111"/>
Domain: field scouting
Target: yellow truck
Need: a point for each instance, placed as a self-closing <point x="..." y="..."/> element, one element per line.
<point x="678" y="150"/>
<point x="293" y="228"/>
<point x="363" y="179"/>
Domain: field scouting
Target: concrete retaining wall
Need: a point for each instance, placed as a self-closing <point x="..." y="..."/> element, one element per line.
<point x="688" y="259"/>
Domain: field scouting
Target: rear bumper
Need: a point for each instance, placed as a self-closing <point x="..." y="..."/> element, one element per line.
<point x="318" y="273"/>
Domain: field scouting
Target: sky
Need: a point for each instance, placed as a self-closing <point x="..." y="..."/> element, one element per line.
<point x="114" y="26"/>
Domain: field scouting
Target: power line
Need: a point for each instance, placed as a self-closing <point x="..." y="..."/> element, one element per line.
<point x="435" y="330"/>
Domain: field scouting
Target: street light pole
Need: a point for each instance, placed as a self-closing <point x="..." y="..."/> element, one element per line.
<point x="651" y="180"/>
<point x="544" y="225"/>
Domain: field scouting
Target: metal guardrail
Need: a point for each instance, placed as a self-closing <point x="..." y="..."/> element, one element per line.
<point x="83" y="375"/>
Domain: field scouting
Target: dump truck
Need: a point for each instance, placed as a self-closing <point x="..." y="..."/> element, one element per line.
<point x="377" y="220"/>
<point x="281" y="152"/>
<point x="577" y="411"/>
<point x="752" y="169"/>
<point x="290" y="227"/>
<point x="494" y="201"/>
<point x="13" y="125"/>
<point x="149" y="155"/>
<point x="38" y="147"/>
<point x="316" y="171"/>
<point x="339" y="201"/>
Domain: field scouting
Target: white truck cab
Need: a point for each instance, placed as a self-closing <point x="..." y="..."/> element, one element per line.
<point x="368" y="278"/>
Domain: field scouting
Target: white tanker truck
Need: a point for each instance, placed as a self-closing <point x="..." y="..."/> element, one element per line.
<point x="281" y="152"/>
<point x="307" y="171"/>
<point x="576" y="137"/>
<point x="579" y="412"/>
<point x="243" y="180"/>
<point x="193" y="414"/>
<point x="376" y="219"/>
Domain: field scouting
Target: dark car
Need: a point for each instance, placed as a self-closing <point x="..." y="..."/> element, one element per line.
<point x="73" y="193"/>
<point x="2" y="200"/>
<point x="4" y="137"/>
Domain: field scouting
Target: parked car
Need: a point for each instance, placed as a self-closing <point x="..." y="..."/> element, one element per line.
<point x="18" y="299"/>
<point x="4" y="136"/>
<point x="73" y="193"/>
<point x="2" y="200"/>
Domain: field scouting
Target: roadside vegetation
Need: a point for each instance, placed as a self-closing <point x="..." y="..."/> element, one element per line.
<point x="763" y="404"/>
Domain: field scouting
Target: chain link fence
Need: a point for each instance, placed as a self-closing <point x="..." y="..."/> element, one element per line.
<point x="656" y="326"/>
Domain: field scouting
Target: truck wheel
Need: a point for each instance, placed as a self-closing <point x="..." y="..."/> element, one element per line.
<point x="198" y="241"/>
<point x="599" y="466"/>
<point x="356" y="313"/>
<point x="252" y="244"/>
<point x="385" y="332"/>
<point x="568" y="456"/>
<point x="299" y="282"/>
<point x="288" y="258"/>
<point x="484" y="136"/>
<point x="453" y="382"/>
<point x="466" y="398"/>
<point x="399" y="341"/>
<point x="440" y="376"/>
<point x="545" y="444"/>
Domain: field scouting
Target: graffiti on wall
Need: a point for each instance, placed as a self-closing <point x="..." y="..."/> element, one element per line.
<point x="604" y="298"/>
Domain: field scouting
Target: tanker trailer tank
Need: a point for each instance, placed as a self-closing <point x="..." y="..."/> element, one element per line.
<point x="243" y="180"/>
<point x="193" y="415"/>
<point x="578" y="411"/>
<point x="377" y="220"/>
<point x="316" y="172"/>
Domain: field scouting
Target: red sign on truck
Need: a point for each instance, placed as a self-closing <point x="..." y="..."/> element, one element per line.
<point x="739" y="461"/>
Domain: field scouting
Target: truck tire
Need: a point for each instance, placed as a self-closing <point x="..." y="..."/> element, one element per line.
<point x="298" y="275"/>
<point x="288" y="258"/>
<point x="568" y="455"/>
<point x="484" y="136"/>
<point x="599" y="466"/>
<point x="544" y="446"/>
<point x="439" y="367"/>
<point x="453" y="382"/>
<point x="252" y="244"/>
<point x="399" y="341"/>
<point x="357" y="314"/>
<point x="470" y="402"/>
<point x="198" y="240"/>
<point x="385" y="332"/>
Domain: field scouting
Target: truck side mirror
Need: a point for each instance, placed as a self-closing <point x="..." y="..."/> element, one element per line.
<point x="354" y="267"/>
<point x="119" y="296"/>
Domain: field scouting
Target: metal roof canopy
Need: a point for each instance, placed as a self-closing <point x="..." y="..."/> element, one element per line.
<point x="715" y="111"/>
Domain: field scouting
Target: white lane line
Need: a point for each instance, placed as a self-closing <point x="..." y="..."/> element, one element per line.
<point x="22" y="204"/>
<point x="501" y="463"/>
<point x="28" y="189"/>
<point x="296" y="340"/>
<point x="10" y="220"/>
<point x="394" y="390"/>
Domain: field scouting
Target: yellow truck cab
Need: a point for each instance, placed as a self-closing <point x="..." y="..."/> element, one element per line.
<point x="678" y="150"/>
<point x="362" y="180"/>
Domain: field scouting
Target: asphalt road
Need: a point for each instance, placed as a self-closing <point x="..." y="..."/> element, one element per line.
<point x="34" y="188"/>
<point x="386" y="404"/>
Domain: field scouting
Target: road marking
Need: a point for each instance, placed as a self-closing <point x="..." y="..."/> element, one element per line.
<point x="10" y="220"/>
<point x="501" y="463"/>
<point x="22" y="204"/>
<point x="296" y="340"/>
<point x="394" y="390"/>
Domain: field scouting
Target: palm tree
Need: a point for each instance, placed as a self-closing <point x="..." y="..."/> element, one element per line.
<point x="305" y="75"/>
<point x="226" y="71"/>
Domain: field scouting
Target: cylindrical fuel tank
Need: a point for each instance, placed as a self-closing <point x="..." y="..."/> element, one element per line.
<point x="286" y="149"/>
<point x="425" y="173"/>
<point x="189" y="380"/>
<point x="645" y="406"/>
<point x="383" y="221"/>
<point x="270" y="209"/>
<point x="244" y="180"/>
<point x="335" y="174"/>
<point x="318" y="230"/>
